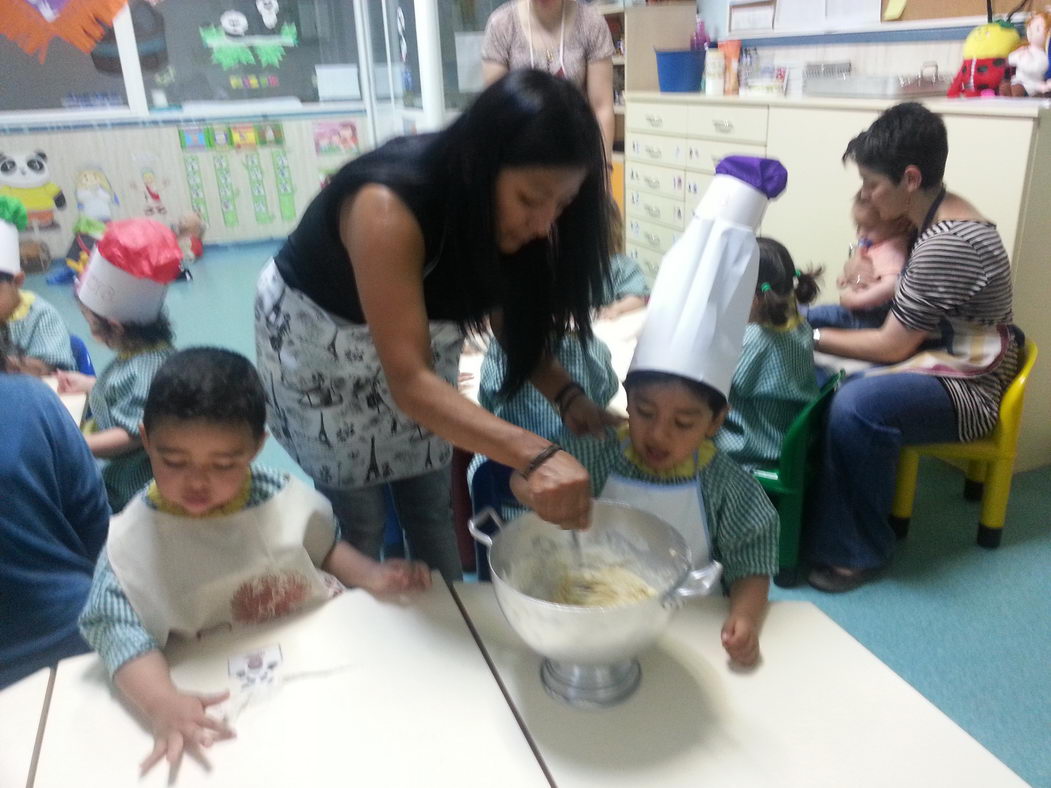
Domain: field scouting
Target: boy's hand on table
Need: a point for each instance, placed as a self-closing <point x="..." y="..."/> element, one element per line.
<point x="398" y="576"/>
<point x="180" y="721"/>
<point x="740" y="636"/>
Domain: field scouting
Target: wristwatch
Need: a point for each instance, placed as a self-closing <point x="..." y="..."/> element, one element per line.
<point x="817" y="335"/>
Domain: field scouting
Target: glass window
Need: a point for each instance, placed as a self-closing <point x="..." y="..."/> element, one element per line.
<point x="255" y="49"/>
<point x="67" y="78"/>
<point x="462" y="24"/>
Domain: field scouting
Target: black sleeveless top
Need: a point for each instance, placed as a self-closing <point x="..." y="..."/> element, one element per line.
<point x="314" y="260"/>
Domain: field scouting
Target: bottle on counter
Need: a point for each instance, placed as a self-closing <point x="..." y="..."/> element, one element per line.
<point x="714" y="71"/>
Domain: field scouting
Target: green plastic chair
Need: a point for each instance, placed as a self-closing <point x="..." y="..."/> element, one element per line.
<point x="787" y="484"/>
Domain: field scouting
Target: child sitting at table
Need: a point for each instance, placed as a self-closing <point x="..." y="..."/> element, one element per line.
<point x="122" y="298"/>
<point x="214" y="541"/>
<point x="663" y="461"/>
<point x="775" y="378"/>
<point x="53" y="523"/>
<point x="589" y="364"/>
<point x="870" y="275"/>
<point x="39" y="340"/>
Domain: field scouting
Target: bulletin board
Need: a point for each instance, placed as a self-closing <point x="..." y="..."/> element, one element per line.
<point x="918" y="10"/>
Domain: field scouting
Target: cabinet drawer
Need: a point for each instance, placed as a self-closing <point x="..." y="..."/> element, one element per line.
<point x="662" y="118"/>
<point x="648" y="260"/>
<point x="696" y="185"/>
<point x="703" y="155"/>
<point x="657" y="180"/>
<point x="717" y="121"/>
<point x="651" y="208"/>
<point x="669" y="151"/>
<point x="650" y="236"/>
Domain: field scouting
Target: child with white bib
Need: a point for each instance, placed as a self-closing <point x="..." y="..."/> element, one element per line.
<point x="213" y="542"/>
<point x="663" y="461"/>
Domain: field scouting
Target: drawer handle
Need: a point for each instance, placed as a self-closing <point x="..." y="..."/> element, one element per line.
<point x="655" y="212"/>
<point x="652" y="239"/>
<point x="655" y="120"/>
<point x="653" y="183"/>
<point x="652" y="152"/>
<point x="723" y="126"/>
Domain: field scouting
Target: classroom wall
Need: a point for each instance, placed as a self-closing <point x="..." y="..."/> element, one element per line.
<point x="248" y="178"/>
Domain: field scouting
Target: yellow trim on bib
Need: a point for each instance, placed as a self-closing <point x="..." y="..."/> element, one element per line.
<point x="234" y="505"/>
<point x="25" y="303"/>
<point x="685" y="469"/>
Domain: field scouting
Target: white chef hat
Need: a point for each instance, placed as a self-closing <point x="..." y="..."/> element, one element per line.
<point x="703" y="294"/>
<point x="12" y="219"/>
<point x="129" y="271"/>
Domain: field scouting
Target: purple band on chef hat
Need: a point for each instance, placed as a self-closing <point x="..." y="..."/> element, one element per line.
<point x="767" y="175"/>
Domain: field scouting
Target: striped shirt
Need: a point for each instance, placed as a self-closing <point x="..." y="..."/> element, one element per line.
<point x="742" y="523"/>
<point x="960" y="270"/>
<point x="773" y="382"/>
<point x="110" y="624"/>
<point x="117" y="400"/>
<point x="37" y="331"/>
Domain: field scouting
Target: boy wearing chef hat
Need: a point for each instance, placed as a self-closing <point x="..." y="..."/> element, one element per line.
<point x="663" y="461"/>
<point x="39" y="337"/>
<point x="122" y="297"/>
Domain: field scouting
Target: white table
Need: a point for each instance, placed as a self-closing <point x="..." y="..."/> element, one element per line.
<point x="820" y="710"/>
<point x="394" y="696"/>
<point x="21" y="707"/>
<point x="75" y="403"/>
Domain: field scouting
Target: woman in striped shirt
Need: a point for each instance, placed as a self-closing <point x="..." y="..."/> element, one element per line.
<point x="947" y="346"/>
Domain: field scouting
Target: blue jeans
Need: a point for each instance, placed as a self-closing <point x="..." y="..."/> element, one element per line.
<point x="869" y="420"/>
<point x="424" y="507"/>
<point x="836" y="316"/>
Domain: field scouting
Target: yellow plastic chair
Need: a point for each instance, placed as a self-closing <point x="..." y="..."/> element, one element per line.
<point x="990" y="463"/>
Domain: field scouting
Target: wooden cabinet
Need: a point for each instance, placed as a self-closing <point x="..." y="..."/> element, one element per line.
<point x="999" y="159"/>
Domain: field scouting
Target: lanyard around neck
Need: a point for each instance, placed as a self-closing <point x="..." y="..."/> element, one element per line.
<point x="929" y="218"/>
<point x="561" y="36"/>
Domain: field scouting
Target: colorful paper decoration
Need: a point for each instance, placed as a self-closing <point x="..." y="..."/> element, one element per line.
<point x="33" y="23"/>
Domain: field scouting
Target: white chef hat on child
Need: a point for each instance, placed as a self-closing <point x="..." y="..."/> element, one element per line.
<point x="129" y="271"/>
<point x="700" y="302"/>
<point x="12" y="219"/>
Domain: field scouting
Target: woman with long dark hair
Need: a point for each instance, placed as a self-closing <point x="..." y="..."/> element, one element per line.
<point x="360" y="317"/>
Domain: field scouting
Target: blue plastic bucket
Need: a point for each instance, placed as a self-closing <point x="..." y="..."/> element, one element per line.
<point x="679" y="70"/>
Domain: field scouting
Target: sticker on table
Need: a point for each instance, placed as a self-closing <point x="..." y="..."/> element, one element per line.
<point x="256" y="668"/>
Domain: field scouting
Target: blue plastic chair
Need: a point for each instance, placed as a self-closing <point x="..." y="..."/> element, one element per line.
<point x="81" y="355"/>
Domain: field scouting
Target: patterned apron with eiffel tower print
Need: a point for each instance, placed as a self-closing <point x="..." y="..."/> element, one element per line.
<point x="328" y="402"/>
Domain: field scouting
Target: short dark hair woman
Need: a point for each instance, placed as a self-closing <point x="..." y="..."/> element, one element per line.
<point x="360" y="316"/>
<point x="947" y="343"/>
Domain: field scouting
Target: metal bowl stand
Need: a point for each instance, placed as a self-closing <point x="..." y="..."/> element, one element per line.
<point x="590" y="686"/>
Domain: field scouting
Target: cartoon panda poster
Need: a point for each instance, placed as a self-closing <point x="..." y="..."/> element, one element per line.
<point x="27" y="178"/>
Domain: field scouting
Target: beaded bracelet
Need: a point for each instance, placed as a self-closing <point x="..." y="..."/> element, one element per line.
<point x="545" y="455"/>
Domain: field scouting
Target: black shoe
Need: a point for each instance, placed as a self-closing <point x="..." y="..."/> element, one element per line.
<point x="827" y="579"/>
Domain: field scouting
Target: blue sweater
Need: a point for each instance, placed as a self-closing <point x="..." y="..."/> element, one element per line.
<point x="53" y="522"/>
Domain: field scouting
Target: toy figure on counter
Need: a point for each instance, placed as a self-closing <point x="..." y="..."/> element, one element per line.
<point x="985" y="52"/>
<point x="1031" y="61"/>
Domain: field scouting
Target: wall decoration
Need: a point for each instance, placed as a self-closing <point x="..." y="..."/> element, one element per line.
<point x="228" y="193"/>
<point x="244" y="136"/>
<point x="33" y="23"/>
<point x="231" y="46"/>
<point x="286" y="190"/>
<point x="195" y="184"/>
<point x="151" y="185"/>
<point x="95" y="195"/>
<point x="194" y="138"/>
<point x="254" y="165"/>
<point x="336" y="137"/>
<point x="27" y="178"/>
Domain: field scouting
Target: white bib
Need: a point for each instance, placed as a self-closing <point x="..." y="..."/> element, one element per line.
<point x="188" y="576"/>
<point x="679" y="505"/>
